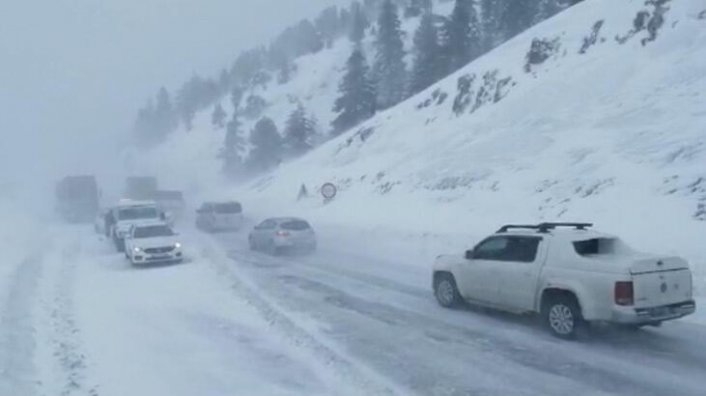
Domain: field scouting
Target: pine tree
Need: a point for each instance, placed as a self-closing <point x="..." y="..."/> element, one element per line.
<point x="224" y="81"/>
<point x="359" y="23"/>
<point x="357" y="99"/>
<point x="196" y="94"/>
<point x="427" y="67"/>
<point x="299" y="132"/>
<point x="546" y="9"/>
<point x="267" y="146"/>
<point x="416" y="8"/>
<point x="165" y="119"/>
<point x="518" y="16"/>
<point x="308" y="39"/>
<point x="461" y="41"/>
<point x="236" y="96"/>
<point x="280" y="61"/>
<point x="389" y="70"/>
<point x="492" y="12"/>
<point x="327" y="25"/>
<point x="218" y="117"/>
<point x="144" y="125"/>
<point x="344" y="22"/>
<point x="232" y="147"/>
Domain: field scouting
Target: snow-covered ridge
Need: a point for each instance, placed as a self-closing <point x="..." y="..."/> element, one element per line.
<point x="607" y="124"/>
<point x="614" y="135"/>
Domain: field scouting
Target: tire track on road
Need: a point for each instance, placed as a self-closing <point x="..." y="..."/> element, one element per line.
<point x="17" y="331"/>
<point x="61" y="335"/>
<point x="366" y="380"/>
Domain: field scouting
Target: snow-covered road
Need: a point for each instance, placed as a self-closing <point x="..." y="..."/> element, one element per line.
<point x="77" y="320"/>
<point x="382" y="313"/>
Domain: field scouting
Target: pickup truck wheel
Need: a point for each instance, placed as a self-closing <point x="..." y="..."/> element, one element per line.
<point x="563" y="317"/>
<point x="446" y="291"/>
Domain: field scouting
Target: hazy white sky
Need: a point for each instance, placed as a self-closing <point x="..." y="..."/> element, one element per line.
<point x="72" y="72"/>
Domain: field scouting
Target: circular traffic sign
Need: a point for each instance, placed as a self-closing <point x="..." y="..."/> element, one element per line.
<point x="329" y="190"/>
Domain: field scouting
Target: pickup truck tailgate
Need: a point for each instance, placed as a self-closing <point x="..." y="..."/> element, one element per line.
<point x="661" y="281"/>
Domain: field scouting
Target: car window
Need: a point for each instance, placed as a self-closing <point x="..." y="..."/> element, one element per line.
<point x="138" y="213"/>
<point x="521" y="249"/>
<point x="228" y="208"/>
<point x="596" y="246"/>
<point x="295" y="225"/>
<point x="267" y="225"/>
<point x="515" y="248"/>
<point x="152" y="232"/>
<point x="491" y="249"/>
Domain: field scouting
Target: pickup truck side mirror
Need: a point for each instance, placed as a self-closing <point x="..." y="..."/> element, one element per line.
<point x="469" y="254"/>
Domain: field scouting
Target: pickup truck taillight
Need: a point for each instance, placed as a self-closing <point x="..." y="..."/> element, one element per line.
<point x="624" y="293"/>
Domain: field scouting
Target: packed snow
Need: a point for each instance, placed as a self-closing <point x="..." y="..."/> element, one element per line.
<point x="606" y="132"/>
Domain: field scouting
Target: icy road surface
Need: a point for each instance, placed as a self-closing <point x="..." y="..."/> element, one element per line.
<point x="77" y="320"/>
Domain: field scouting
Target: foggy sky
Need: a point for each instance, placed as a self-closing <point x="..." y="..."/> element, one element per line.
<point x="73" y="72"/>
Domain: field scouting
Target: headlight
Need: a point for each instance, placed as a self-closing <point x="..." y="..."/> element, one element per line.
<point x="177" y="245"/>
<point x="137" y="249"/>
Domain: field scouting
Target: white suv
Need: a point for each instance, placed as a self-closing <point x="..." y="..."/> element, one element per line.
<point x="569" y="274"/>
<point x="153" y="242"/>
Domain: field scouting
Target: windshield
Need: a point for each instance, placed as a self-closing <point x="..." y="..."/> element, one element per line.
<point x="153" y="232"/>
<point x="228" y="208"/>
<point x="138" y="213"/>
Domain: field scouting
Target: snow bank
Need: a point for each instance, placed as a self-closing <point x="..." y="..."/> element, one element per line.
<point x="19" y="233"/>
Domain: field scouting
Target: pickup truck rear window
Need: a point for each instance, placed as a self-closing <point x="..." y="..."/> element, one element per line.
<point x="595" y="246"/>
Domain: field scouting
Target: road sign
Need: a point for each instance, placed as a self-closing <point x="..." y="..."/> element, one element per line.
<point x="329" y="191"/>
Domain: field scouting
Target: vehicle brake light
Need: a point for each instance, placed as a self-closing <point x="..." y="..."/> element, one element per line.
<point x="283" y="233"/>
<point x="624" y="293"/>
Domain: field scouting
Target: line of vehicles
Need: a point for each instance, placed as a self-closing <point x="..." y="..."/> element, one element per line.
<point x="143" y="230"/>
<point x="566" y="273"/>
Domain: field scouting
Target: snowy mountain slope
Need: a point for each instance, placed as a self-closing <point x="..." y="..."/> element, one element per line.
<point x="614" y="135"/>
<point x="314" y="84"/>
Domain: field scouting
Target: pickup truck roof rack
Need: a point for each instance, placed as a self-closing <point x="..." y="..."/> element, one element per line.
<point x="544" y="227"/>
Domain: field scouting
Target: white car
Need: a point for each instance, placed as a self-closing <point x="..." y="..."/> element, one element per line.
<point x="153" y="242"/>
<point x="282" y="234"/>
<point x="129" y="213"/>
<point x="570" y="275"/>
<point x="220" y="216"/>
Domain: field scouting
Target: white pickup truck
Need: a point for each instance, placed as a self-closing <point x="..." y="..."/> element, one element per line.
<point x="129" y="213"/>
<point x="569" y="274"/>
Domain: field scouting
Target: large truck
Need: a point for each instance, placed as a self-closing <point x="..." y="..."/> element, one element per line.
<point x="141" y="187"/>
<point x="77" y="198"/>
